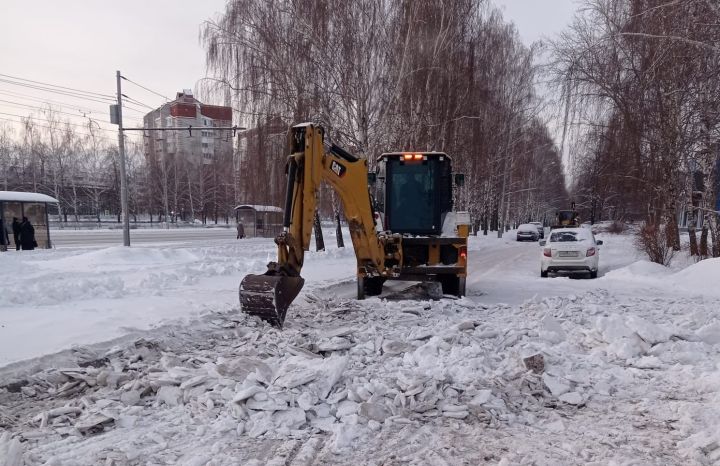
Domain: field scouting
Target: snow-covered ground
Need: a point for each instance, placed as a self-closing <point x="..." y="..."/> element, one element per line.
<point x="140" y="356"/>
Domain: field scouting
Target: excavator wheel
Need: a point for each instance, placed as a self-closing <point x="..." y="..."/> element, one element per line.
<point x="452" y="285"/>
<point x="269" y="296"/>
<point x="369" y="286"/>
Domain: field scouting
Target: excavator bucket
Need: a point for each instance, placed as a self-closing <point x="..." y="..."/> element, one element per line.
<point x="269" y="296"/>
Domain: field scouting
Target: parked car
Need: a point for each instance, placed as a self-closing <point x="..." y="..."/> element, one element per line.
<point x="570" y="250"/>
<point x="541" y="229"/>
<point x="527" y="232"/>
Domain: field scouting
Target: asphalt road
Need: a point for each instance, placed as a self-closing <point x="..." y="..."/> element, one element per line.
<point x="105" y="238"/>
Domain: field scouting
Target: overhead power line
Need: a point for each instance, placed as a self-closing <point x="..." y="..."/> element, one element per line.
<point x="143" y="87"/>
<point x="137" y="102"/>
<point x="78" y="107"/>
<point x="139" y="110"/>
<point x="32" y="107"/>
<point x="57" y="91"/>
<point x="103" y="136"/>
<point x="143" y="112"/>
<point x="62" y="123"/>
<point x="108" y="96"/>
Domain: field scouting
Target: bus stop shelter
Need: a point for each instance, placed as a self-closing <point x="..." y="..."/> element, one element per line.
<point x="34" y="206"/>
<point x="262" y="221"/>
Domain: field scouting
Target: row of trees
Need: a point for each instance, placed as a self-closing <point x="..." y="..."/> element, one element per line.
<point x="48" y="155"/>
<point x="640" y="81"/>
<point x="379" y="75"/>
<point x="78" y="165"/>
<point x="386" y="75"/>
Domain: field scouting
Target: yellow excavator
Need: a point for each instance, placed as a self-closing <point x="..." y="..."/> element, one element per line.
<point x="411" y="233"/>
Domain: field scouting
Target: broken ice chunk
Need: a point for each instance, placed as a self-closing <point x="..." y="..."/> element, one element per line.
<point x="374" y="411"/>
<point x="170" y="395"/>
<point x="93" y="423"/>
<point x="555" y="385"/>
<point x="572" y="398"/>
<point x="246" y="393"/>
<point x="296" y="377"/>
<point x="292" y="418"/>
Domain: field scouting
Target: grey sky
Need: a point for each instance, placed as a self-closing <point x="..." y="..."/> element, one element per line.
<point x="80" y="44"/>
<point x="538" y="19"/>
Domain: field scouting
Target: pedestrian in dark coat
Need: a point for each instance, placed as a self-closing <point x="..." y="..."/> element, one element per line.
<point x="4" y="238"/>
<point x="240" y="230"/>
<point x="27" y="235"/>
<point x="16" y="232"/>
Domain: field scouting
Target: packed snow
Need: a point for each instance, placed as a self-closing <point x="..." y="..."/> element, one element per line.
<point x="141" y="356"/>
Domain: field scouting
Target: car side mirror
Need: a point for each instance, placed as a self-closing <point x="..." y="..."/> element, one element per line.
<point x="599" y="242"/>
<point x="459" y="179"/>
<point x="543" y="242"/>
<point x="372" y="178"/>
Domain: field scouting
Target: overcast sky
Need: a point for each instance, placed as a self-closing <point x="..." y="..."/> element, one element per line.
<point x="80" y="44"/>
<point x="538" y="19"/>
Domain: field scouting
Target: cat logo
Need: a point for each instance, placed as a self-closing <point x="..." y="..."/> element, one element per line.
<point x="337" y="168"/>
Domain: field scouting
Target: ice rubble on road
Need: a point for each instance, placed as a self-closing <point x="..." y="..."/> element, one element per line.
<point x="627" y="376"/>
<point x="622" y="379"/>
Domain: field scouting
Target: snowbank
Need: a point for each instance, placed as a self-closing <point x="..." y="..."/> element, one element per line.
<point x="352" y="382"/>
<point x="703" y="276"/>
<point x="390" y="379"/>
<point x="59" y="298"/>
<point x="639" y="270"/>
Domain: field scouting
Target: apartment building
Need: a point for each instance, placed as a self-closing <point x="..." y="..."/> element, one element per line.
<point x="196" y="146"/>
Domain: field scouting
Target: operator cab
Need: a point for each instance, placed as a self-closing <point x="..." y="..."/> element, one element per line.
<point x="566" y="219"/>
<point x="413" y="191"/>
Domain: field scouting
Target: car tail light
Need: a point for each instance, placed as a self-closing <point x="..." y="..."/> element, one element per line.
<point x="590" y="252"/>
<point x="547" y="252"/>
<point x="463" y="253"/>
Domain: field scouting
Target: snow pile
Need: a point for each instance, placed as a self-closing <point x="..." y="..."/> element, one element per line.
<point x="639" y="270"/>
<point x="118" y="257"/>
<point x="702" y="277"/>
<point x="569" y="374"/>
<point x="11" y="451"/>
<point x="345" y="377"/>
<point x="59" y="298"/>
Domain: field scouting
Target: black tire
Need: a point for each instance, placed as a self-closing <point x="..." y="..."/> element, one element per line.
<point x="369" y="286"/>
<point x="373" y="286"/>
<point x="543" y="273"/>
<point x="461" y="287"/>
<point x="593" y="274"/>
<point x="450" y="284"/>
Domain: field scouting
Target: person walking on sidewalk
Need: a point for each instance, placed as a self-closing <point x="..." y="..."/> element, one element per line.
<point x="4" y="238"/>
<point x="16" y="233"/>
<point x="27" y="235"/>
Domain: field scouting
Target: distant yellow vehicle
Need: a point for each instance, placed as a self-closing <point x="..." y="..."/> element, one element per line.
<point x="411" y="234"/>
<point x="566" y="219"/>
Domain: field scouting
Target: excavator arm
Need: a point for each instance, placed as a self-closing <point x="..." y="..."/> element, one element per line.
<point x="269" y="295"/>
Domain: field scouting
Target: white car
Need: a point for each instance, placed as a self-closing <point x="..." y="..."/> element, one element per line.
<point x="570" y="250"/>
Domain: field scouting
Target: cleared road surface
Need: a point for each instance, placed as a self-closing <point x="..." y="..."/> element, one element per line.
<point x="105" y="238"/>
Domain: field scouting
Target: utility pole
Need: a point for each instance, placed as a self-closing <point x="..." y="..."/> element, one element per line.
<point x="123" y="174"/>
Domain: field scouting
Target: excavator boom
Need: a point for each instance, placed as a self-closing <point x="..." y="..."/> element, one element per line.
<point x="269" y="295"/>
